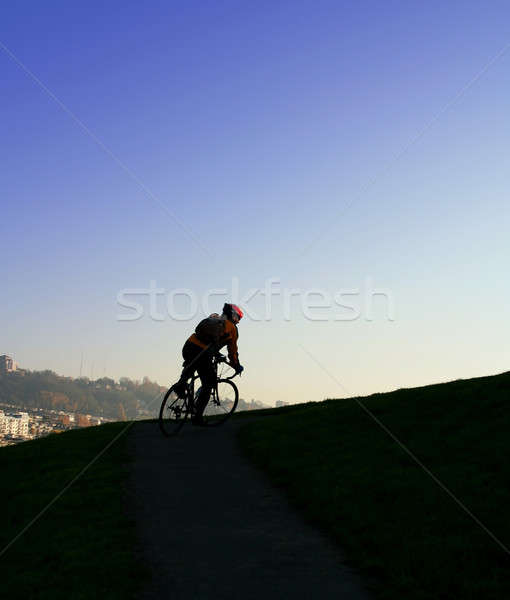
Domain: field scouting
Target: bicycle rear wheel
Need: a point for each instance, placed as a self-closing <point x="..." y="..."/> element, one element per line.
<point x="173" y="413"/>
<point x="222" y="403"/>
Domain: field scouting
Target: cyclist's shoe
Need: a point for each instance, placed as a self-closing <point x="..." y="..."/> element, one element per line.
<point x="197" y="420"/>
<point x="180" y="390"/>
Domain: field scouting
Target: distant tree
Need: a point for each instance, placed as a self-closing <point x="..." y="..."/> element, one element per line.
<point x="102" y="398"/>
<point x="127" y="383"/>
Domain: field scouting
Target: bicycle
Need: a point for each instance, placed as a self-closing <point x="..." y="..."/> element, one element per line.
<point x="222" y="403"/>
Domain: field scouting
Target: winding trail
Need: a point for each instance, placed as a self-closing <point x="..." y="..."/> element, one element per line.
<point x="212" y="527"/>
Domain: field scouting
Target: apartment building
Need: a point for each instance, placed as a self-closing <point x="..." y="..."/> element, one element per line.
<point x="15" y="425"/>
<point x="7" y="364"/>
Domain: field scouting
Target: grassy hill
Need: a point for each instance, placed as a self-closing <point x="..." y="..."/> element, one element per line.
<point x="395" y="522"/>
<point x="339" y="466"/>
<point x="82" y="545"/>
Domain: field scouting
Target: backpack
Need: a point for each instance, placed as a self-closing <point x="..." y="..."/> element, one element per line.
<point x="211" y="329"/>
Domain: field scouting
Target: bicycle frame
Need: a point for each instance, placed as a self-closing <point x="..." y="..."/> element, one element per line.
<point x="217" y="360"/>
<point x="173" y="415"/>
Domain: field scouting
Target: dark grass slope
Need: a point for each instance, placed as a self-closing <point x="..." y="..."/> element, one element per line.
<point x="82" y="547"/>
<point x="393" y="520"/>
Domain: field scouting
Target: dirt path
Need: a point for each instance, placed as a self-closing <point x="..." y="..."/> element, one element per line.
<point x="212" y="527"/>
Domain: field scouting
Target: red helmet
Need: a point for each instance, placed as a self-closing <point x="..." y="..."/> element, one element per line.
<point x="237" y="311"/>
<point x="232" y="310"/>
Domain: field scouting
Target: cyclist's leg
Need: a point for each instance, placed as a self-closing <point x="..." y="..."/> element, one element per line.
<point x="190" y="352"/>
<point x="207" y="374"/>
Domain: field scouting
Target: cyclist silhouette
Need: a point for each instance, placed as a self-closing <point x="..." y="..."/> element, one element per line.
<point x="211" y="334"/>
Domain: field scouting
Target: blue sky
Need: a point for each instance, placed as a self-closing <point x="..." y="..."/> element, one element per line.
<point x="317" y="143"/>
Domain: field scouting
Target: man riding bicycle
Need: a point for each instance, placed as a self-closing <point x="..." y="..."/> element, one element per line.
<point x="210" y="335"/>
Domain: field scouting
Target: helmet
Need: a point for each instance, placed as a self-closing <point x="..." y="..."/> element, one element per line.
<point x="232" y="311"/>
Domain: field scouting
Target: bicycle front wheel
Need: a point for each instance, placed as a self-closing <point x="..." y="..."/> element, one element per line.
<point x="173" y="413"/>
<point x="222" y="403"/>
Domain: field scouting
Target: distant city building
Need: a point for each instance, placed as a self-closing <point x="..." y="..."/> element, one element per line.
<point x="281" y="403"/>
<point x="15" y="425"/>
<point x="82" y="420"/>
<point x="64" y="419"/>
<point x="7" y="364"/>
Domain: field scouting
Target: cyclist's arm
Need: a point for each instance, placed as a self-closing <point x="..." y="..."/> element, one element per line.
<point x="233" y="355"/>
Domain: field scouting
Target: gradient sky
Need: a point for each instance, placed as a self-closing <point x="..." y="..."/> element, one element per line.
<point x="318" y="143"/>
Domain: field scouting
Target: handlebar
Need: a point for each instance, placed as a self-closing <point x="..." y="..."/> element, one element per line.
<point x="221" y="358"/>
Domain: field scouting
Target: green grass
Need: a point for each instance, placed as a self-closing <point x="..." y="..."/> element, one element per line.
<point x="82" y="547"/>
<point x="394" y="522"/>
